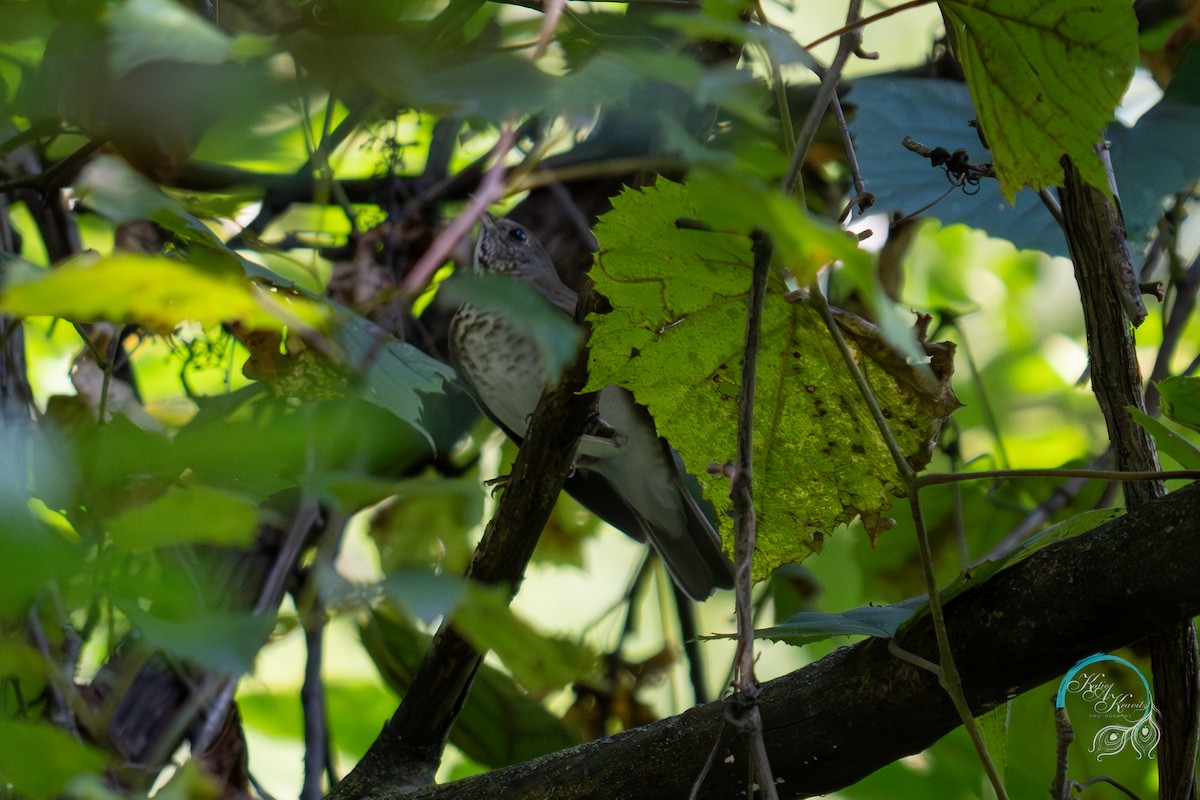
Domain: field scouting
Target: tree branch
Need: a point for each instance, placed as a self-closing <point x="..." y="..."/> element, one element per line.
<point x="1015" y="631"/>
<point x="409" y="748"/>
<point x="1107" y="288"/>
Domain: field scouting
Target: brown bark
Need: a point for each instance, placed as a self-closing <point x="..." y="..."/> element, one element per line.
<point x="409" y="749"/>
<point x="1096" y="238"/>
<point x="836" y="721"/>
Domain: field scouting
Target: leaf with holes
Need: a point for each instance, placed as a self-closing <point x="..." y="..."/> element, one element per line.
<point x="675" y="339"/>
<point x="1046" y="78"/>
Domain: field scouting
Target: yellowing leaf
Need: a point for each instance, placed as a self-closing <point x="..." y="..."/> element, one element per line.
<point x="157" y="292"/>
<point x="675" y="339"/>
<point x="1046" y="78"/>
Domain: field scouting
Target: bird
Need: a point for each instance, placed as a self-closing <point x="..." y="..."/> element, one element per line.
<point x="624" y="472"/>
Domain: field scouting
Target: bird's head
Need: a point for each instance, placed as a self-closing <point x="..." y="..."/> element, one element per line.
<point x="507" y="248"/>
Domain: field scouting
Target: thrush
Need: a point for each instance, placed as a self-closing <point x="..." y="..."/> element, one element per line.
<point x="625" y="473"/>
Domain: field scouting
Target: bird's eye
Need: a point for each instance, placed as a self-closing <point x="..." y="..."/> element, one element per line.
<point x="519" y="235"/>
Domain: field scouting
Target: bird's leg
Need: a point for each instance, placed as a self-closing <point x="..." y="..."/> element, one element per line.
<point x="497" y="483"/>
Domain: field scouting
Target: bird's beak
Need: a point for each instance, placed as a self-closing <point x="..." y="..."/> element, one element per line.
<point x="487" y="224"/>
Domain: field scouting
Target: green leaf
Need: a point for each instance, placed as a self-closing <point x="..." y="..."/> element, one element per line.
<point x="430" y="522"/>
<point x="993" y="726"/>
<point x="394" y="375"/>
<point x="356" y="713"/>
<point x="675" y="339"/>
<point x="1070" y="528"/>
<point x="157" y="292"/>
<point x="1181" y="400"/>
<point x="141" y="31"/>
<point x="121" y="465"/>
<point x="316" y="442"/>
<point x="1168" y="441"/>
<point x="499" y="725"/>
<point x="38" y="554"/>
<point x="18" y="659"/>
<point x="782" y="48"/>
<point x="423" y="594"/>
<point x="539" y="663"/>
<point x="41" y="761"/>
<point x="225" y="642"/>
<point x="1046" y="78"/>
<point x="733" y="203"/>
<point x="110" y="187"/>
<point x="806" y="627"/>
<point x="191" y="515"/>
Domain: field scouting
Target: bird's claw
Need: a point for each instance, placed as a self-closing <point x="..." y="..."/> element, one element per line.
<point x="497" y="483"/>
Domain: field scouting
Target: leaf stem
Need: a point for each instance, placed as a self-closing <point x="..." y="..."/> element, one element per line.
<point x="858" y="24"/>
<point x="742" y="479"/>
<point x="742" y="492"/>
<point x="779" y="86"/>
<point x="939" y="478"/>
<point x="829" y="81"/>
<point x="947" y="672"/>
<point x="491" y="188"/>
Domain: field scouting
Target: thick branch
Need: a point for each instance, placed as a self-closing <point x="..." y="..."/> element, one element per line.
<point x="408" y="750"/>
<point x="836" y="721"/>
<point x="1108" y="290"/>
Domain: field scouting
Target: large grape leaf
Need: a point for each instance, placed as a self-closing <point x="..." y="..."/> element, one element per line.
<point x="675" y="338"/>
<point x="1046" y="78"/>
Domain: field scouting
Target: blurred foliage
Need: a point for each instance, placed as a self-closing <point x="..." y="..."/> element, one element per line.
<point x="205" y="222"/>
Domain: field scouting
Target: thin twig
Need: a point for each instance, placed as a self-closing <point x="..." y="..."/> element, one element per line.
<point x="552" y="11"/>
<point x="312" y="698"/>
<point x="858" y="24"/>
<point x="48" y="180"/>
<point x="742" y="483"/>
<point x="64" y="713"/>
<point x="491" y="189"/>
<point x="948" y="675"/>
<point x="860" y="186"/>
<point x="742" y="492"/>
<point x="551" y="175"/>
<point x="938" y="478"/>
<point x="1052" y="206"/>
<point x="1120" y="787"/>
<point x="808" y="130"/>
<point x="985" y="403"/>
<point x="1059" y="499"/>
<point x="1060" y="787"/>
<point x="270" y="595"/>
<point x="779" y="86"/>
